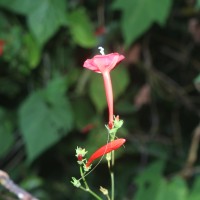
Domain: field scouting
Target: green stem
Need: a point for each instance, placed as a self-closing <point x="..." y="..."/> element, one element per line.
<point x="110" y="166"/>
<point x="91" y="192"/>
<point x="83" y="177"/>
<point x="113" y="158"/>
<point x="112" y="186"/>
<point x="87" y="189"/>
<point x="108" y="197"/>
<point x="112" y="176"/>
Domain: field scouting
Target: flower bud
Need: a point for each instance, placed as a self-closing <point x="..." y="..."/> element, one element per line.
<point x="104" y="190"/>
<point x="76" y="182"/>
<point x="117" y="122"/>
<point x="80" y="153"/>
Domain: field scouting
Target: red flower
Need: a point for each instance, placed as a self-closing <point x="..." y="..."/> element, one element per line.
<point x="115" y="144"/>
<point x="104" y="64"/>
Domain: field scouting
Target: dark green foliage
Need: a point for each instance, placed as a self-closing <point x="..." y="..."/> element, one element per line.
<point x="45" y="117"/>
<point x="138" y="16"/>
<point x="49" y="104"/>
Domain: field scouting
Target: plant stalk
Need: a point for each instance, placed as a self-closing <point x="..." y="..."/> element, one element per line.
<point x="87" y="188"/>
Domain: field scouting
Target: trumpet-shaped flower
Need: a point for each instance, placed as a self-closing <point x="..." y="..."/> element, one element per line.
<point x="104" y="64"/>
<point x="113" y="145"/>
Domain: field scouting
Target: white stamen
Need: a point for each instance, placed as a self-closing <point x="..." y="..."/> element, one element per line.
<point x="101" y="50"/>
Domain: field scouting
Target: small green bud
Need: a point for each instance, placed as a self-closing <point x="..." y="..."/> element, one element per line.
<point x="117" y="122"/>
<point x="87" y="168"/>
<point x="80" y="151"/>
<point x="104" y="190"/>
<point x="108" y="156"/>
<point x="76" y="182"/>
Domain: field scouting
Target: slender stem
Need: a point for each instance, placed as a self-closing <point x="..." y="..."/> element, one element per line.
<point x="83" y="177"/>
<point x="108" y="197"/>
<point x="91" y="192"/>
<point x="113" y="158"/>
<point x="112" y="185"/>
<point x="87" y="189"/>
<point x="112" y="176"/>
<point x="110" y="166"/>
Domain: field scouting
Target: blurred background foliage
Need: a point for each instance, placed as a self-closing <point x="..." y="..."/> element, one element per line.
<point x="49" y="104"/>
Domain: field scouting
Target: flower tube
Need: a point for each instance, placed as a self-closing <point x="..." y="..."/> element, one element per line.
<point x="104" y="64"/>
<point x="113" y="145"/>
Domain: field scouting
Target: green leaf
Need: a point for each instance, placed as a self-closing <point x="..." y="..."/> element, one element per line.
<point x="33" y="51"/>
<point x="139" y="15"/>
<point x="97" y="92"/>
<point x="83" y="112"/>
<point x="45" y="118"/>
<point x="6" y="141"/>
<point x="81" y="28"/>
<point x="44" y="17"/>
<point x="150" y="182"/>
<point x="20" y="6"/>
<point x="152" y="171"/>
<point x="120" y="80"/>
<point x="176" y="190"/>
<point x="55" y="89"/>
<point x="22" y="50"/>
<point x="47" y="18"/>
<point x="198" y="4"/>
<point x="6" y="136"/>
<point x="195" y="192"/>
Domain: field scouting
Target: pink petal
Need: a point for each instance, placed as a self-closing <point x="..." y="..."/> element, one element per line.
<point x="102" y="63"/>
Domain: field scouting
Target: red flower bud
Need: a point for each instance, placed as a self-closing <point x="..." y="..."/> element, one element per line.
<point x="110" y="125"/>
<point x="115" y="144"/>
<point x="80" y="157"/>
